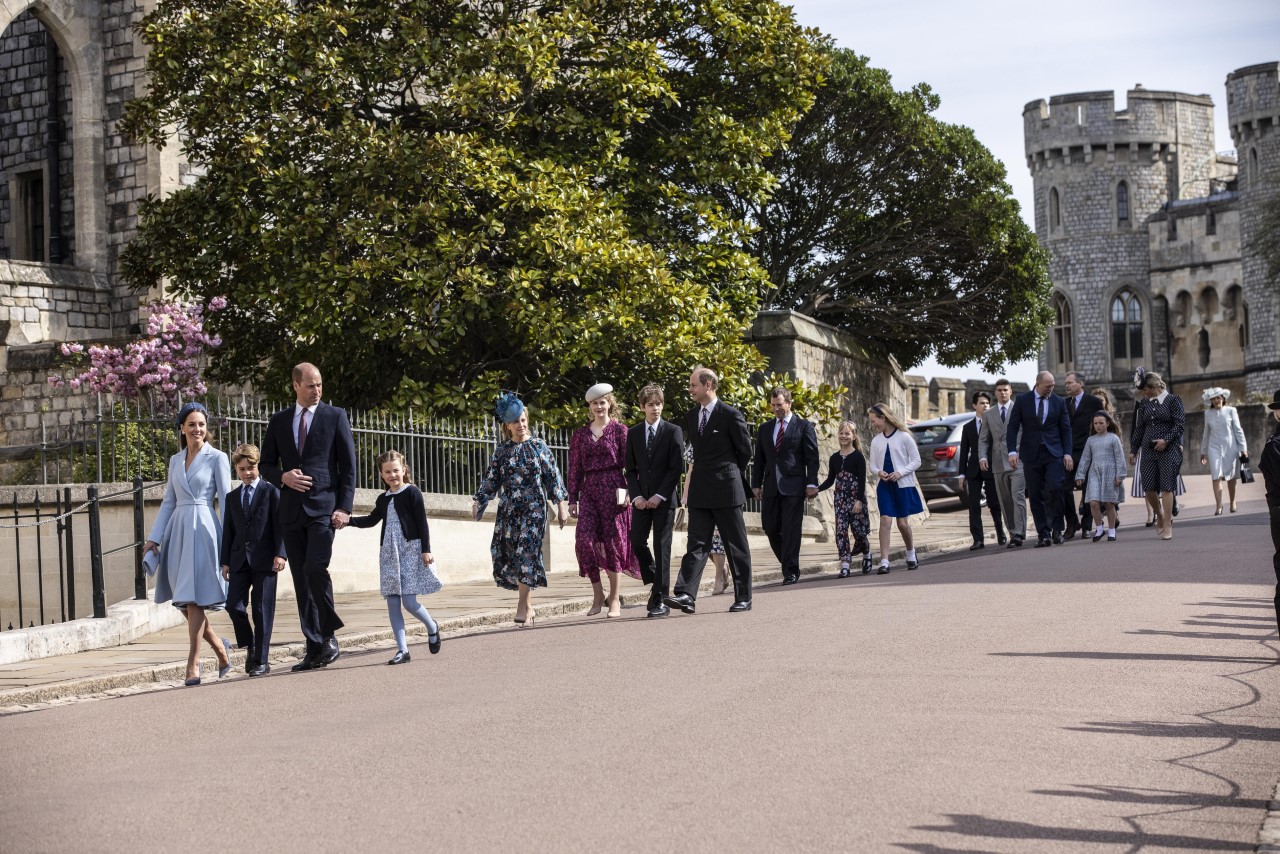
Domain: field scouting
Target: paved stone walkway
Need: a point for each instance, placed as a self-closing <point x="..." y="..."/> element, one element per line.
<point x="158" y="660"/>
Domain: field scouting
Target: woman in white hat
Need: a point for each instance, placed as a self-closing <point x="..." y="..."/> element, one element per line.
<point x="597" y="456"/>
<point x="1222" y="444"/>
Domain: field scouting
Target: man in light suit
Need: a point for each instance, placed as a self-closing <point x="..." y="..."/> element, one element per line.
<point x="1081" y="408"/>
<point x="993" y="456"/>
<point x="783" y="476"/>
<point x="1039" y="440"/>
<point x="308" y="452"/>
<point x="717" y="492"/>
<point x="654" y="462"/>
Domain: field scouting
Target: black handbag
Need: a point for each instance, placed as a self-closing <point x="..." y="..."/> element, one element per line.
<point x="1246" y="473"/>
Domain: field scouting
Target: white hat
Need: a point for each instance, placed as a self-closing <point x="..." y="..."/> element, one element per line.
<point x="598" y="391"/>
<point x="1211" y="393"/>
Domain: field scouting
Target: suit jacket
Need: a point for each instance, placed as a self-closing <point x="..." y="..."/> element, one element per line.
<point x="328" y="457"/>
<point x="992" y="433"/>
<point x="721" y="454"/>
<point x="1030" y="437"/>
<point x="655" y="471"/>
<point x="1082" y="422"/>
<point x="252" y="541"/>
<point x="796" y="461"/>
<point x="969" y="455"/>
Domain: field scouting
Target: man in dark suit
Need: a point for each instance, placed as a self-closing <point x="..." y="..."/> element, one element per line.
<point x="655" y="459"/>
<point x="1081" y="408"/>
<point x="717" y="491"/>
<point x="784" y="475"/>
<point x="976" y="481"/>
<point x="252" y="554"/>
<point x="1039" y="440"/>
<point x="309" y="453"/>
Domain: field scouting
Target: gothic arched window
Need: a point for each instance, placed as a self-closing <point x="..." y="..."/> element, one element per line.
<point x="1126" y="330"/>
<point x="1055" y="211"/>
<point x="1122" y="204"/>
<point x="1062" y="348"/>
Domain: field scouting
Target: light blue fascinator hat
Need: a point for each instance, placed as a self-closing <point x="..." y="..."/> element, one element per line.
<point x="187" y="409"/>
<point x="508" y="407"/>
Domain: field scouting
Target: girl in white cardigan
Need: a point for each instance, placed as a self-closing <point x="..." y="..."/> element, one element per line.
<point x="891" y="465"/>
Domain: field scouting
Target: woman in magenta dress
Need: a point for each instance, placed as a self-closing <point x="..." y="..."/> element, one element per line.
<point x="597" y="453"/>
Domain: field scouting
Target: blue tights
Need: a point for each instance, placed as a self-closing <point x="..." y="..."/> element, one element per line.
<point x="411" y="605"/>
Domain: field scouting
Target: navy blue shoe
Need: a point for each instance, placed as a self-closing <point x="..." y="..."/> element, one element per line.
<point x="226" y="647"/>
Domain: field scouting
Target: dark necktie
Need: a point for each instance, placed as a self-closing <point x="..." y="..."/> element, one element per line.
<point x="302" y="430"/>
<point x="702" y="422"/>
<point x="1072" y="407"/>
<point x="782" y="431"/>
<point x="1040" y="409"/>
<point x="248" y="498"/>
<point x="648" y="439"/>
<point x="1002" y="413"/>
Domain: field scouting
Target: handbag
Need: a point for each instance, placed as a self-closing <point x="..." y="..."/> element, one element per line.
<point x="621" y="498"/>
<point x="1246" y="473"/>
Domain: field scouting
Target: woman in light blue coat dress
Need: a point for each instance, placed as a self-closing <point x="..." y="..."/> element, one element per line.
<point x="187" y="533"/>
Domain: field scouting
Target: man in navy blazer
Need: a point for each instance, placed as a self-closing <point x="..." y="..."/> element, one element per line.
<point x="310" y="454"/>
<point x="654" y="462"/>
<point x="783" y="476"/>
<point x="252" y="553"/>
<point x="717" y="492"/>
<point x="1039" y="440"/>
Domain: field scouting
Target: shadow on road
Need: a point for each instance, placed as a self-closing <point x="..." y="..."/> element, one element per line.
<point x="977" y="825"/>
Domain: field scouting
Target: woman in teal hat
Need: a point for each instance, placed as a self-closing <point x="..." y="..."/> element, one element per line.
<point x="524" y="472"/>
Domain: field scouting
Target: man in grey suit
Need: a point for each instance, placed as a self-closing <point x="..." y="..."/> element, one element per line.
<point x="993" y="456"/>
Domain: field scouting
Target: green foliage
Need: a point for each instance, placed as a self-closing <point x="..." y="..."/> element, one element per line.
<point x="900" y="229"/>
<point x="436" y="200"/>
<point x="129" y="448"/>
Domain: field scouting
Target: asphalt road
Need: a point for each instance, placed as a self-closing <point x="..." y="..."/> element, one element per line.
<point x="1108" y="697"/>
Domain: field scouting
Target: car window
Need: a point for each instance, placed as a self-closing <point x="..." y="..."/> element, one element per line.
<point x="932" y="434"/>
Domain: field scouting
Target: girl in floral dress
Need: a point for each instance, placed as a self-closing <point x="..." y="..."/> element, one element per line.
<point x="597" y="453"/>
<point x="847" y="469"/>
<point x="525" y="473"/>
<point x="405" y="563"/>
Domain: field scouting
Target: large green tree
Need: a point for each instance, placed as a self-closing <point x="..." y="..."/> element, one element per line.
<point x="899" y="228"/>
<point x="435" y="199"/>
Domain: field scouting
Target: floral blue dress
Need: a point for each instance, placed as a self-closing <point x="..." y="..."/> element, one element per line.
<point x="526" y="475"/>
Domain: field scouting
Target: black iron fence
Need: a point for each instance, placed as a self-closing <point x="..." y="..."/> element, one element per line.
<point x="41" y="541"/>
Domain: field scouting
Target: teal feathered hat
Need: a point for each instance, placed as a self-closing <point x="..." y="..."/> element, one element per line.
<point x="508" y="407"/>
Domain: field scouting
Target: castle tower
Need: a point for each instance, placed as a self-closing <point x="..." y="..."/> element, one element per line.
<point x="1253" y="110"/>
<point x="1099" y="174"/>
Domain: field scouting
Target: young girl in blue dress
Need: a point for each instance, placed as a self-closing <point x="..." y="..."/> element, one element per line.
<point x="892" y="466"/>
<point x="405" y="560"/>
<point x="847" y="469"/>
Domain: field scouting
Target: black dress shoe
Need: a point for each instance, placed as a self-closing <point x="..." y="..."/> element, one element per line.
<point x="1097" y="536"/>
<point x="913" y="564"/>
<point x="791" y="579"/>
<point x="976" y="546"/>
<point x="434" y="645"/>
<point x="308" y="663"/>
<point x="1070" y="532"/>
<point x="1057" y="538"/>
<point x="260" y="670"/>
<point x="659" y="610"/>
<point x="1001" y="539"/>
<point x="866" y="564"/>
<point x="400" y="658"/>
<point x="250" y="660"/>
<point x="1043" y="544"/>
<point x="740" y="606"/>
<point x="1015" y="543"/>
<point x="330" y="653"/>
<point x="683" y="601"/>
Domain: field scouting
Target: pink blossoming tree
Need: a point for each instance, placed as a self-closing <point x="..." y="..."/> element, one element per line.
<point x="164" y="366"/>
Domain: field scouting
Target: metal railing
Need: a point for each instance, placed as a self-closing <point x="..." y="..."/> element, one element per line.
<point x="42" y="543"/>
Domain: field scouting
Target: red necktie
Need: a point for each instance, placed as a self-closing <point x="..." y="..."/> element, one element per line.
<point x="782" y="431"/>
<point x="302" y="430"/>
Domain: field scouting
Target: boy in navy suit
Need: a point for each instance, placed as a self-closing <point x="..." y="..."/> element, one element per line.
<point x="655" y="461"/>
<point x="252" y="555"/>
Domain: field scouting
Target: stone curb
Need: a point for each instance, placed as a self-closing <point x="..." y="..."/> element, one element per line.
<point x="125" y="622"/>
<point x="470" y="623"/>
<point x="1269" y="833"/>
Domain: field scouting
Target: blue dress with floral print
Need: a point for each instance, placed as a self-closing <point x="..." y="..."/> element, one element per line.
<point x="526" y="475"/>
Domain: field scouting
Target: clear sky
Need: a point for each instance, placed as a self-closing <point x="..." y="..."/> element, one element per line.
<point x="986" y="59"/>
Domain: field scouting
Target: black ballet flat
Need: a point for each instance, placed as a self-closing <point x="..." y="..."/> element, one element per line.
<point x="433" y="642"/>
<point x="844" y="571"/>
<point x="866" y="564"/>
<point x="400" y="658"/>
<point x="884" y="570"/>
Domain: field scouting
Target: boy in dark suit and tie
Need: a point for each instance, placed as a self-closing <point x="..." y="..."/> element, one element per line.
<point x="655" y="458"/>
<point x="784" y="475"/>
<point x="252" y="554"/>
